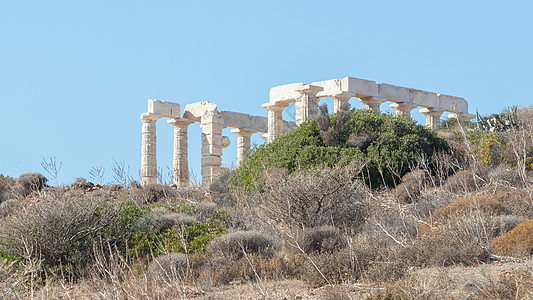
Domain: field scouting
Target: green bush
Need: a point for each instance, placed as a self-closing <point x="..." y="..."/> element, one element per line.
<point x="389" y="144"/>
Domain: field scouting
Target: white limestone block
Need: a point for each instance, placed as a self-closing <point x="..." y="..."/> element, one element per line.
<point x="361" y="87"/>
<point x="453" y="104"/>
<point x="236" y="120"/>
<point x="285" y="93"/>
<point x="196" y="110"/>
<point x="164" y="108"/>
<point x="329" y="87"/>
<point x="211" y="160"/>
<point x="393" y="93"/>
<point x="423" y="98"/>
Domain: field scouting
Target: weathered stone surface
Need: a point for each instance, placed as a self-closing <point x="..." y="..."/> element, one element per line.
<point x="423" y="98"/>
<point x="453" y="104"/>
<point x="403" y="108"/>
<point x="432" y="117"/>
<point x="393" y="93"/>
<point x="164" y="108"/>
<point x="243" y="143"/>
<point x="196" y="110"/>
<point x="307" y="104"/>
<point x="361" y="87"/>
<point x="373" y="103"/>
<point x="285" y="93"/>
<point x="149" y="149"/>
<point x="180" y="163"/>
<point x="339" y="100"/>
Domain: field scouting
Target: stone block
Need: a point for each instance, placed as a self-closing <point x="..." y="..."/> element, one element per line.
<point x="236" y="120"/>
<point x="164" y="108"/>
<point x="453" y="104"/>
<point x="329" y="87"/>
<point x="259" y="124"/>
<point x="225" y="141"/>
<point x="423" y="98"/>
<point x="211" y="150"/>
<point x="210" y="160"/>
<point x="288" y="126"/>
<point x="361" y="87"/>
<point x="393" y="93"/>
<point x="285" y="93"/>
<point x="196" y="110"/>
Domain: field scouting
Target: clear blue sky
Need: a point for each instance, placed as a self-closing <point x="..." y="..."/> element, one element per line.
<point x="75" y="75"/>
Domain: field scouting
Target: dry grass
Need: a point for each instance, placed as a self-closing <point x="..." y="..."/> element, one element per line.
<point x="517" y="242"/>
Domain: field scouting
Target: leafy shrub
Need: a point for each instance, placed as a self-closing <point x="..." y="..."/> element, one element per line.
<point x="398" y="144"/>
<point x="30" y="182"/>
<point x="321" y="197"/>
<point x="321" y="239"/>
<point x="517" y="242"/>
<point x="233" y="245"/>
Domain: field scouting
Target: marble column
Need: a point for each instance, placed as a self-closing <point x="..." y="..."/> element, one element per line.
<point x="307" y="103"/>
<point x="340" y="99"/>
<point x="403" y="108"/>
<point x="373" y="103"/>
<point x="180" y="163"/>
<point x="212" y="125"/>
<point x="275" y="120"/>
<point x="149" y="149"/>
<point x="432" y="116"/>
<point x="243" y="143"/>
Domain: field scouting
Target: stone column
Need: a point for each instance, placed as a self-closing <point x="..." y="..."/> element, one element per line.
<point x="432" y="116"/>
<point x="373" y="103"/>
<point x="307" y="103"/>
<point x="403" y="108"/>
<point x="275" y="120"/>
<point x="243" y="143"/>
<point x="149" y="149"/>
<point x="180" y="163"/>
<point x="212" y="125"/>
<point x="340" y="99"/>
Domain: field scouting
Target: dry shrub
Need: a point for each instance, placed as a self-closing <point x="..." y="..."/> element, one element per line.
<point x="335" y="267"/>
<point x="321" y="239"/>
<point x="315" y="198"/>
<point x="175" y="266"/>
<point x="470" y="206"/>
<point x="517" y="242"/>
<point x="30" y="182"/>
<point x="160" y="220"/>
<point x="517" y="202"/>
<point x="232" y="246"/>
<point x="253" y="267"/>
<point x="516" y="284"/>
<point x="502" y="175"/>
<point x="6" y="187"/>
<point x="152" y="193"/>
<point x="504" y="223"/>
<point x="203" y="210"/>
<point x="413" y="183"/>
<point x="10" y="206"/>
<point x="464" y="181"/>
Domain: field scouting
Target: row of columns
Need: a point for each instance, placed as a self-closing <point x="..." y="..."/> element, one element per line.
<point x="212" y="144"/>
<point x="307" y="109"/>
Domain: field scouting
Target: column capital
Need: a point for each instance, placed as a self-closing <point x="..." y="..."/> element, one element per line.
<point x="309" y="89"/>
<point x="461" y="116"/>
<point x="278" y="106"/>
<point x="431" y="111"/>
<point x="244" y="132"/>
<point x="373" y="100"/>
<point x="180" y="122"/>
<point x="343" y="95"/>
<point x="150" y="117"/>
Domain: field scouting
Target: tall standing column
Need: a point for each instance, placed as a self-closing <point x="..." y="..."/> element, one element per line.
<point x="432" y="117"/>
<point x="149" y="149"/>
<point x="243" y="143"/>
<point x="275" y="120"/>
<point x="212" y="125"/>
<point x="307" y="103"/>
<point x="340" y="100"/>
<point x="180" y="163"/>
<point x="403" y="109"/>
<point x="373" y="103"/>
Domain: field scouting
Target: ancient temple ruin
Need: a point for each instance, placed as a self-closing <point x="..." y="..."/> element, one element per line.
<point x="306" y="98"/>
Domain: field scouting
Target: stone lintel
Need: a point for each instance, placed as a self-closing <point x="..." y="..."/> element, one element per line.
<point x="164" y="108"/>
<point x="150" y="117"/>
<point x="461" y="116"/>
<point x="180" y="122"/>
<point x="309" y="89"/>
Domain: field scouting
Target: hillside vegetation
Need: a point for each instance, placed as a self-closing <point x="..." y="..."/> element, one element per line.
<point x="349" y="206"/>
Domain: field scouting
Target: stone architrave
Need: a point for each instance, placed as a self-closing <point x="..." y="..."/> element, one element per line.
<point x="180" y="163"/>
<point x="149" y="149"/>
<point x="373" y="103"/>
<point x="461" y="116"/>
<point x="340" y="99"/>
<point x="212" y="125"/>
<point x="243" y="143"/>
<point x="432" y="116"/>
<point x="403" y="108"/>
<point x="275" y="120"/>
<point x="307" y="104"/>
